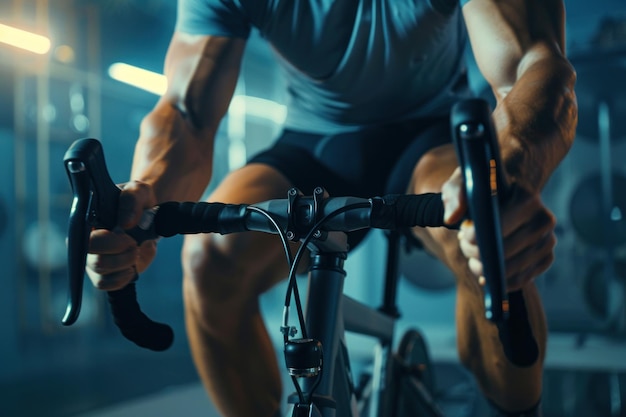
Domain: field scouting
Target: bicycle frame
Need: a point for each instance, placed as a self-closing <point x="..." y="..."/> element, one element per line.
<point x="329" y="314"/>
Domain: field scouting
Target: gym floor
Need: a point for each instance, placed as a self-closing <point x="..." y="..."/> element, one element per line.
<point x="141" y="384"/>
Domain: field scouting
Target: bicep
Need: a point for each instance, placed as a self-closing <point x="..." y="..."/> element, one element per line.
<point x="202" y="73"/>
<point x="509" y="36"/>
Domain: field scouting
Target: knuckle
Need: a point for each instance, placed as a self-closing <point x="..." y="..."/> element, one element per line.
<point x="128" y="199"/>
<point x="549" y="218"/>
<point x="99" y="281"/>
<point x="97" y="268"/>
<point x="113" y="281"/>
<point x="549" y="260"/>
<point x="137" y="191"/>
<point x="95" y="263"/>
<point x="102" y="284"/>
<point x="544" y="220"/>
<point x="475" y="266"/>
<point x="546" y="245"/>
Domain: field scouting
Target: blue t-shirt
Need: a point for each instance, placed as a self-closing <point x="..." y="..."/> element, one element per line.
<point x="350" y="63"/>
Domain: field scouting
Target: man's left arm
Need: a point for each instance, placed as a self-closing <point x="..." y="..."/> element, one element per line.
<point x="519" y="46"/>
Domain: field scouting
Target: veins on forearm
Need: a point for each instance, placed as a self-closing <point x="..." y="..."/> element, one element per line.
<point x="172" y="156"/>
<point x="536" y="122"/>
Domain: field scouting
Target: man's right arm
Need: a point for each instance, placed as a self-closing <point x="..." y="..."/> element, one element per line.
<point x="174" y="153"/>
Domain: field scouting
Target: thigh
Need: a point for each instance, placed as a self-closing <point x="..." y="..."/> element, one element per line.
<point x="426" y="163"/>
<point x="429" y="175"/>
<point x="249" y="262"/>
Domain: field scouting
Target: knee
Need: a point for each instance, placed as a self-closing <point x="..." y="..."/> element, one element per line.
<point x="211" y="271"/>
<point x="433" y="169"/>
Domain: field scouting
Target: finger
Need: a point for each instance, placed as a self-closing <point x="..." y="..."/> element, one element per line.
<point x="516" y="282"/>
<point x="517" y="212"/>
<point x="108" y="264"/>
<point x="145" y="254"/>
<point x="103" y="241"/>
<point x="535" y="230"/>
<point x="111" y="282"/>
<point x="467" y="240"/>
<point x="475" y="266"/>
<point x="469" y="249"/>
<point x="530" y="257"/>
<point x="136" y="196"/>
<point x="468" y="231"/>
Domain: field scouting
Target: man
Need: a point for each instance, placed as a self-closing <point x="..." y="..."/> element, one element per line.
<point x="369" y="82"/>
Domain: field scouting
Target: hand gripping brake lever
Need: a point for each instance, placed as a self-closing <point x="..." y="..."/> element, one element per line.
<point x="486" y="188"/>
<point x="95" y="205"/>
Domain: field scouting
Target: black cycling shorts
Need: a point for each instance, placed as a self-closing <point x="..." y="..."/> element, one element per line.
<point x="532" y="412"/>
<point x="366" y="163"/>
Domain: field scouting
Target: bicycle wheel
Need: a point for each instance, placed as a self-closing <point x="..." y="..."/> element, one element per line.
<point x="414" y="352"/>
<point x="416" y="385"/>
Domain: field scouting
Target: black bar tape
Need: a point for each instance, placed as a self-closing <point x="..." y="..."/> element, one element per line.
<point x="399" y="211"/>
<point x="420" y="210"/>
<point x="174" y="218"/>
<point x="134" y="324"/>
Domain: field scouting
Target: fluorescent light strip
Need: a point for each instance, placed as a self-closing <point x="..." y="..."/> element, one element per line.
<point x="139" y="77"/>
<point x="259" y="107"/>
<point x="157" y="84"/>
<point x="25" y="40"/>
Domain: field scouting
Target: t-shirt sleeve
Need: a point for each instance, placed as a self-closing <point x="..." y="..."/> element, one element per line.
<point x="212" y="17"/>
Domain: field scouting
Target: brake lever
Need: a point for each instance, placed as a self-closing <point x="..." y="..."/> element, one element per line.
<point x="486" y="189"/>
<point x="95" y="206"/>
<point x="479" y="159"/>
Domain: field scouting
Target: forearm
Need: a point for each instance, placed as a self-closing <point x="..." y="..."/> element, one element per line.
<point x="536" y="121"/>
<point x="173" y="156"/>
<point x="174" y="152"/>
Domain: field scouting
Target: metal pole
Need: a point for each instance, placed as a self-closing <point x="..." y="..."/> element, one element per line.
<point x="606" y="172"/>
<point x="94" y="108"/>
<point x="19" y="181"/>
